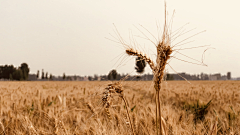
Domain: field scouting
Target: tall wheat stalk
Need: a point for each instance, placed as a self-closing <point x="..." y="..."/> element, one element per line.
<point x="164" y="51"/>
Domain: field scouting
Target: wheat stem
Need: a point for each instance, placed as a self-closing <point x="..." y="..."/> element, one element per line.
<point x="128" y="114"/>
<point x="156" y="113"/>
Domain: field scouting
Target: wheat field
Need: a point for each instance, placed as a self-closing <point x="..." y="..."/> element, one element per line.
<point x="78" y="108"/>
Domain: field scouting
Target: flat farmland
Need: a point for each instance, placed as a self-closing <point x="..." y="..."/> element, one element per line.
<point x="80" y="108"/>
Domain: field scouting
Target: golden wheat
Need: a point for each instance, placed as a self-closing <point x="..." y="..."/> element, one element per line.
<point x="28" y="118"/>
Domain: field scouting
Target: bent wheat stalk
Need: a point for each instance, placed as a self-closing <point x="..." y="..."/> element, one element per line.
<point x="116" y="88"/>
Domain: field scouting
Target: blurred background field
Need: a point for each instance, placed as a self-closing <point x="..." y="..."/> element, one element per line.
<point x="77" y="108"/>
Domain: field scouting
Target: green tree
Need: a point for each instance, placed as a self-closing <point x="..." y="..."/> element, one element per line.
<point x="25" y="70"/>
<point x="6" y="70"/>
<point x="12" y="73"/>
<point x="64" y="76"/>
<point x="51" y="77"/>
<point x="89" y="78"/>
<point x="46" y="76"/>
<point x="37" y="74"/>
<point x="18" y="75"/>
<point x="109" y="77"/>
<point x="42" y="74"/>
<point x="112" y="75"/>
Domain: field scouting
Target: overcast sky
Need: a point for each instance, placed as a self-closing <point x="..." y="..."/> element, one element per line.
<point x="70" y="36"/>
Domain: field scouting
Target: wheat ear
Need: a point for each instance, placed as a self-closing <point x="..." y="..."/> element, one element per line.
<point x="117" y="88"/>
<point x="125" y="102"/>
<point x="133" y="52"/>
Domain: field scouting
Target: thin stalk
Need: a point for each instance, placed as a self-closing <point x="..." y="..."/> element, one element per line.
<point x="159" y="112"/>
<point x="128" y="114"/>
<point x="156" y="113"/>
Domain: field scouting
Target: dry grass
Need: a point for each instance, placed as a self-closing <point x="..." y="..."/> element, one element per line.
<point x="77" y="108"/>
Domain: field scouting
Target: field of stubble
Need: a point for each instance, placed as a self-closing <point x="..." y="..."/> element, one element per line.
<point x="77" y="108"/>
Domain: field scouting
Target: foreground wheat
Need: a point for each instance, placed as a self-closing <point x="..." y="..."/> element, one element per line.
<point x="164" y="51"/>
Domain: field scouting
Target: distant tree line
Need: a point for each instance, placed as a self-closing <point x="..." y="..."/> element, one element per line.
<point x="113" y="75"/>
<point x="14" y="73"/>
<point x="44" y="76"/>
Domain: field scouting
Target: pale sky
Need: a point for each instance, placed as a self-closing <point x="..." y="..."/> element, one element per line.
<point x="70" y="36"/>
